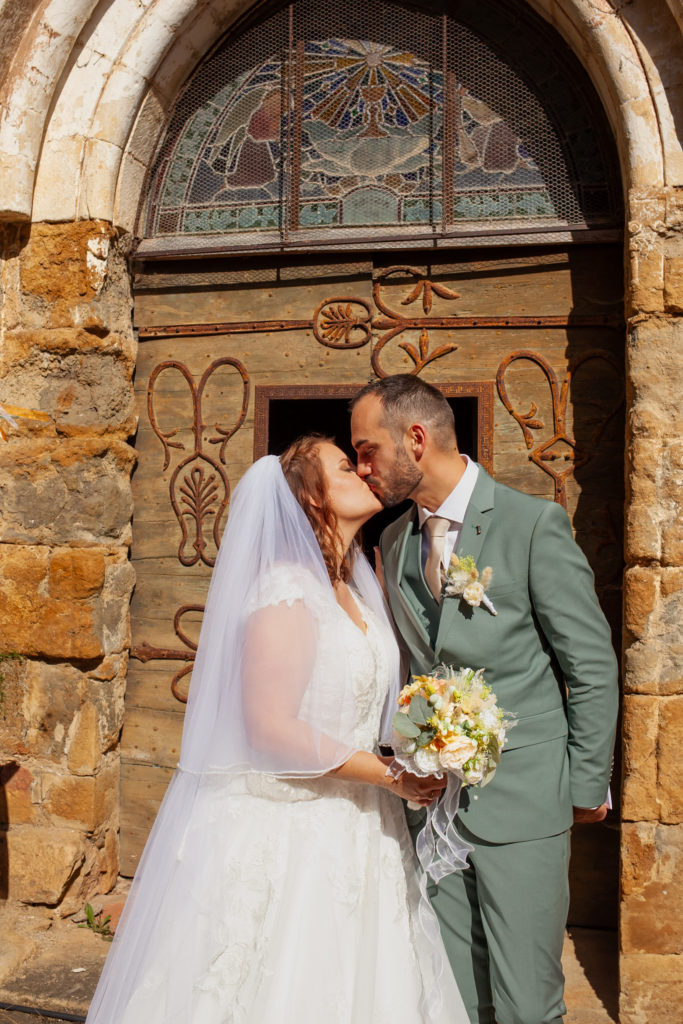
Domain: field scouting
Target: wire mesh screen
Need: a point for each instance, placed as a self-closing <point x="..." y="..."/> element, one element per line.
<point x="327" y="122"/>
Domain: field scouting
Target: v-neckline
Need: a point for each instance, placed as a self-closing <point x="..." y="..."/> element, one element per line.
<point x="363" y="632"/>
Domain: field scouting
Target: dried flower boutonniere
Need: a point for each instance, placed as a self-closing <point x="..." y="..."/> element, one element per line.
<point x="462" y="579"/>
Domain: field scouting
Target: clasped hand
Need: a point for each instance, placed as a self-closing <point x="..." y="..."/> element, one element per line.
<point x="411" y="787"/>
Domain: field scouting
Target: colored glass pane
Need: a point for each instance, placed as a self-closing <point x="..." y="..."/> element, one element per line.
<point x="334" y="132"/>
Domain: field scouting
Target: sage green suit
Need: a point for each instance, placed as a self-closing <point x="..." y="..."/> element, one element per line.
<point x="549" y="658"/>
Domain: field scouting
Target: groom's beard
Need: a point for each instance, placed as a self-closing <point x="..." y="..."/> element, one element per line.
<point x="399" y="482"/>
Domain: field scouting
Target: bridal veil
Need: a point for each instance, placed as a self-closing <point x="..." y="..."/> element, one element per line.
<point x="256" y="705"/>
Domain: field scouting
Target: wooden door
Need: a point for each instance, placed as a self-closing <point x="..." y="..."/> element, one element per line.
<point x="532" y="338"/>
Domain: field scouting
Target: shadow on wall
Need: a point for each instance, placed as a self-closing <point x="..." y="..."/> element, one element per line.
<point x="600" y="963"/>
<point x="595" y="410"/>
<point x="6" y="773"/>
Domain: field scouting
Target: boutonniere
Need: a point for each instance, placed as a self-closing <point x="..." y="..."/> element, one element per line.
<point x="462" y="579"/>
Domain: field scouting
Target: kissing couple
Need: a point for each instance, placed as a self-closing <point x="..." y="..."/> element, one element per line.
<point x="279" y="883"/>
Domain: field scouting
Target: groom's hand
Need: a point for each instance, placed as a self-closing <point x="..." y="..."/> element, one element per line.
<point x="588" y="815"/>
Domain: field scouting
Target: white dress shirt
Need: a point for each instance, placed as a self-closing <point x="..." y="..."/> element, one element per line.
<point x="453" y="508"/>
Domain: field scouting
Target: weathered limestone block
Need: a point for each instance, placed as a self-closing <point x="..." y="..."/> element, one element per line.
<point x="12" y="716"/>
<point x="20" y="345"/>
<point x="21" y="796"/>
<point x="672" y="533"/>
<point x="655" y="423"/>
<point x="641" y="593"/>
<point x="66" y="492"/>
<point x="652" y="888"/>
<point x="67" y="275"/>
<point x="673" y="284"/>
<point x="653" y="772"/>
<point x="108" y="860"/>
<point x="651" y="988"/>
<point x="41" y="863"/>
<point x="84" y="802"/>
<point x="654" y="661"/>
<point x="646" y="250"/>
<point x="53" y="696"/>
<point x="655" y="360"/>
<point x="670" y="746"/>
<point x="113" y="611"/>
<point x="65" y="716"/>
<point x="84" y="744"/>
<point x="65" y="264"/>
<point x="85" y="393"/>
<point x="36" y="616"/>
<point x="639" y="732"/>
<point x="106" y="690"/>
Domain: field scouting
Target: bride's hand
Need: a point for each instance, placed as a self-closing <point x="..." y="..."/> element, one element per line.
<point x="413" y="788"/>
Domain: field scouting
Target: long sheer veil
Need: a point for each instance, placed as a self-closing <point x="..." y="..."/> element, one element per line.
<point x="256" y="707"/>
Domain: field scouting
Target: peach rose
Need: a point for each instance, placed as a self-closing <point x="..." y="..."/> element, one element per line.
<point x="457" y="751"/>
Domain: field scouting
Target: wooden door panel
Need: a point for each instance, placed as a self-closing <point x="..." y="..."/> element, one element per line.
<point x="542" y="329"/>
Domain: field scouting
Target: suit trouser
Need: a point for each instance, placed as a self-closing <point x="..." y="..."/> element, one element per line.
<point x="502" y="922"/>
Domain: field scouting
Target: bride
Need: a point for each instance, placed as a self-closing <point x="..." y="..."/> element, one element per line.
<point x="277" y="885"/>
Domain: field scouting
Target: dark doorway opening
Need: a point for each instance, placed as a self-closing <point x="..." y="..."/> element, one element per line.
<point x="285" y="413"/>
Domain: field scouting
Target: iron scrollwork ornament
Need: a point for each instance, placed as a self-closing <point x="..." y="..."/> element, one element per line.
<point x="548" y="456"/>
<point x="199" y="488"/>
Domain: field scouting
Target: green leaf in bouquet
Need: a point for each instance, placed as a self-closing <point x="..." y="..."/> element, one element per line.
<point x="404" y="727"/>
<point x="420" y="710"/>
<point x="425" y="738"/>
<point x="494" y="750"/>
<point x="487" y="778"/>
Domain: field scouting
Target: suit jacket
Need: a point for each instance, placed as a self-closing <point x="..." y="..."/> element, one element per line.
<point x="547" y="654"/>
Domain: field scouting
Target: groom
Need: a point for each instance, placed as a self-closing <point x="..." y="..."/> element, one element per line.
<point x="547" y="654"/>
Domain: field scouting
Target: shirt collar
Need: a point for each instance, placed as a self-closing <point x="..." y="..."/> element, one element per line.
<point x="455" y="505"/>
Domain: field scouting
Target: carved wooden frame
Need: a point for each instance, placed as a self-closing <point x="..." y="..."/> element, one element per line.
<point x="481" y="390"/>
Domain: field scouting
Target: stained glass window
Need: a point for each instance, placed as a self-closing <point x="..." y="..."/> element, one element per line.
<point x="371" y="118"/>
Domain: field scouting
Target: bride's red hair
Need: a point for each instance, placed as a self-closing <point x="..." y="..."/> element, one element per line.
<point x="304" y="473"/>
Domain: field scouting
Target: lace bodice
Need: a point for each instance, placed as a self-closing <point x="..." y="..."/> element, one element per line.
<point x="368" y="654"/>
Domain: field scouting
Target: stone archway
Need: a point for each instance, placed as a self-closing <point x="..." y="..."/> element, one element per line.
<point x="85" y="96"/>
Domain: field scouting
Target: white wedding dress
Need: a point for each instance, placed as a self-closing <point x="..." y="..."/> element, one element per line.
<point x="309" y="893"/>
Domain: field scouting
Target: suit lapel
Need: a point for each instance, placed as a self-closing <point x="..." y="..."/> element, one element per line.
<point x="478" y="519"/>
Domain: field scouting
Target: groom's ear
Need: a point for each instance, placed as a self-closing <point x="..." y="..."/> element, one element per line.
<point x="416" y="436"/>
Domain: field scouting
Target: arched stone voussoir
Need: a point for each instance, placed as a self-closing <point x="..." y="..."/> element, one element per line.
<point x="28" y="93"/>
<point x="606" y="37"/>
<point x="158" y="44"/>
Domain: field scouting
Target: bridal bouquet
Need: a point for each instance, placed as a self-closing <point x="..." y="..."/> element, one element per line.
<point x="450" y="721"/>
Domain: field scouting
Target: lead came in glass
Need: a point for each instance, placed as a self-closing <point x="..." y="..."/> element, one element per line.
<point x="418" y="122"/>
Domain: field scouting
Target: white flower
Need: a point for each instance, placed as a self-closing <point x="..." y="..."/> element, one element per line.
<point x="473" y="594"/>
<point x="403" y="745"/>
<point x="474" y="775"/>
<point x="457" y="580"/>
<point x="427" y="760"/>
<point x="457" y="751"/>
<point x="489" y="718"/>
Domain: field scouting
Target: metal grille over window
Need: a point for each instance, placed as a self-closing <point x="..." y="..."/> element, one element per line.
<point x="372" y="121"/>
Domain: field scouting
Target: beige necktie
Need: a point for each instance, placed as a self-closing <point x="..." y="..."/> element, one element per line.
<point x="437" y="528"/>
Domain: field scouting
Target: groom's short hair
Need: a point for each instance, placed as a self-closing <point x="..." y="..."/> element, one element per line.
<point x="407" y="399"/>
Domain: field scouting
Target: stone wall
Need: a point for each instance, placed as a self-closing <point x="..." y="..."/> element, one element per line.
<point x="652" y="809"/>
<point x="68" y="349"/>
<point x="72" y="90"/>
